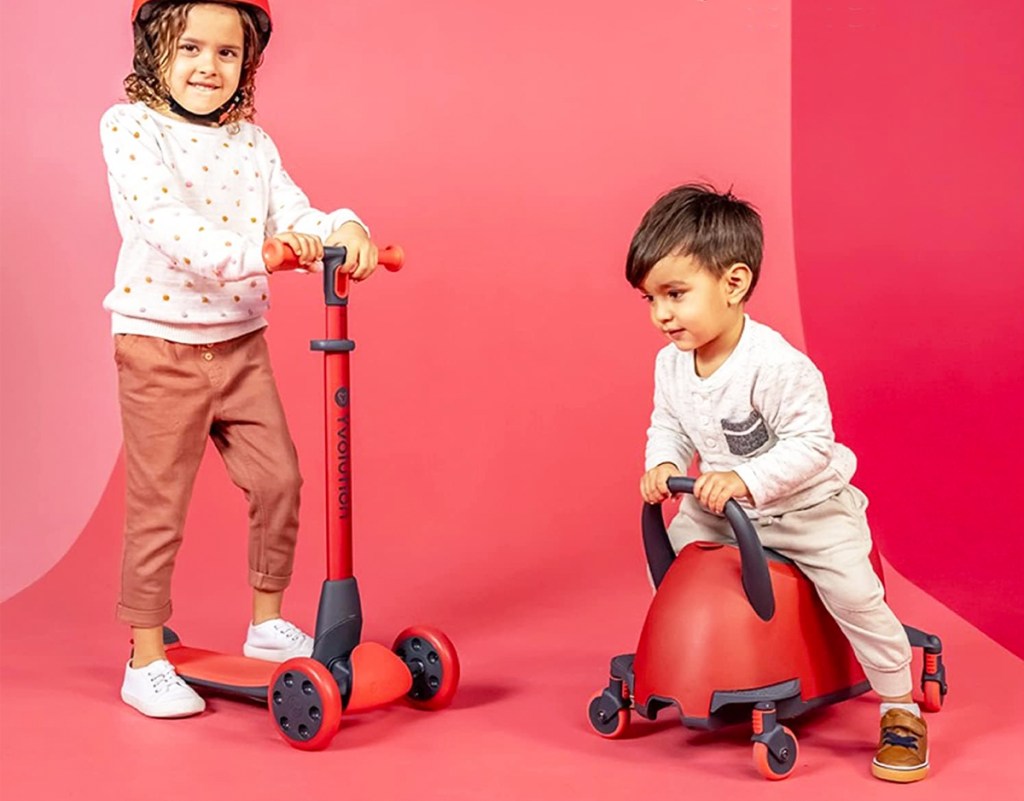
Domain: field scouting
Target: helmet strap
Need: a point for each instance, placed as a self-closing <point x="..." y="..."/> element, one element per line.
<point x="204" y="119"/>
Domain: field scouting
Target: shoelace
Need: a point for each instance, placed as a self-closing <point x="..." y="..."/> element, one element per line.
<point x="165" y="680"/>
<point x="289" y="630"/>
<point x="890" y="737"/>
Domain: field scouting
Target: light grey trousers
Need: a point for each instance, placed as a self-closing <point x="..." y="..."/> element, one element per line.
<point x="830" y="542"/>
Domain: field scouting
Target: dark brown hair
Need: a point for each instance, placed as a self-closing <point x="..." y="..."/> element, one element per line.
<point x="156" y="42"/>
<point x="715" y="229"/>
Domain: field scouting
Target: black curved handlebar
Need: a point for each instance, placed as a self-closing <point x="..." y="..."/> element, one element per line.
<point x="757" y="582"/>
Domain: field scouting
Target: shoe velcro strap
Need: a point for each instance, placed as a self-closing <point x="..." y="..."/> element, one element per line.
<point x="890" y="737"/>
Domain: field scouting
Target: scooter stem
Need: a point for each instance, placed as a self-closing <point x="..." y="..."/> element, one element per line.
<point x="337" y="407"/>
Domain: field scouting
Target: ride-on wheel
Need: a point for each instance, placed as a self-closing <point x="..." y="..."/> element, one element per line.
<point x="304" y="703"/>
<point x="612" y="726"/>
<point x="772" y="767"/>
<point x="933" y="696"/>
<point x="433" y="663"/>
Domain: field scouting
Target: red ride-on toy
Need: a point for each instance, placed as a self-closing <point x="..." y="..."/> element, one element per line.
<point x="306" y="696"/>
<point x="738" y="633"/>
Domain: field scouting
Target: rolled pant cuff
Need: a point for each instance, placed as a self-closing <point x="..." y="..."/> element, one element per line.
<point x="144" y="618"/>
<point x="262" y="581"/>
<point x="890" y="683"/>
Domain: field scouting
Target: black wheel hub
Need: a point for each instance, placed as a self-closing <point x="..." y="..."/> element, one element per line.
<point x="782" y="763"/>
<point x="424" y="664"/>
<point x="604" y="717"/>
<point x="297" y="706"/>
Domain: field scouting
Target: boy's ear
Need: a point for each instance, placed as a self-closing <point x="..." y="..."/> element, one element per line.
<point x="737" y="282"/>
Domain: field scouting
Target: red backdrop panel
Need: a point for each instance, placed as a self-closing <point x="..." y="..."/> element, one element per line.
<point x="907" y="191"/>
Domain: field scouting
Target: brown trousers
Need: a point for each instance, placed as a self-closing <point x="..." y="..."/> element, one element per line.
<point x="173" y="397"/>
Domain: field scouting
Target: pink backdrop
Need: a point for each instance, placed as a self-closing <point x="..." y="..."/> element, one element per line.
<point x="503" y="380"/>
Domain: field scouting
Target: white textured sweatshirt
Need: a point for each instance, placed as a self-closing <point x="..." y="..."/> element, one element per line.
<point x="763" y="414"/>
<point x="194" y="204"/>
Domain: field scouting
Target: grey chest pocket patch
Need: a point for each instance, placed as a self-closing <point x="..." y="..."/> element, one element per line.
<point x="744" y="437"/>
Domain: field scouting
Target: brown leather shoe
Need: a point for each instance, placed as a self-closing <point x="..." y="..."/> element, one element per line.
<point x="902" y="754"/>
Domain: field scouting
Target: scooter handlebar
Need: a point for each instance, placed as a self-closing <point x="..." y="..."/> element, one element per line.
<point x="278" y="255"/>
<point x="757" y="582"/>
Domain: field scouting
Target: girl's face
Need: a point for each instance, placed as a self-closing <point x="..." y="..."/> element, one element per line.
<point x="206" y="66"/>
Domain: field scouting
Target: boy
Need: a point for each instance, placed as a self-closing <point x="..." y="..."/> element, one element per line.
<point x="755" y="411"/>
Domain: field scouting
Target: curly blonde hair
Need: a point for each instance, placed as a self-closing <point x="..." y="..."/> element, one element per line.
<point x="156" y="41"/>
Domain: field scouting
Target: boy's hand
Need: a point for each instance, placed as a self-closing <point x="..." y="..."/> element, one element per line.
<point x="654" y="483"/>
<point x="712" y="490"/>
<point x="307" y="247"/>
<point x="361" y="259"/>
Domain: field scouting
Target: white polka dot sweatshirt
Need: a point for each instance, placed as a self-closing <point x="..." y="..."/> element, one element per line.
<point x="194" y="204"/>
<point x="764" y="414"/>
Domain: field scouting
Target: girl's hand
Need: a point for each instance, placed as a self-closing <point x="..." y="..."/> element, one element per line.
<point x="361" y="259"/>
<point x="654" y="483"/>
<point x="307" y="247"/>
<point x="712" y="490"/>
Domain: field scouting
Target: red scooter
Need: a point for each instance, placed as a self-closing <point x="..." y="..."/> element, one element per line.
<point x="306" y="696"/>
<point x="738" y="633"/>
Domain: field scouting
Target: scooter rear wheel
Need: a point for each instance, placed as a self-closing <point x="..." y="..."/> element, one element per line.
<point x="305" y="704"/>
<point x="433" y="663"/>
<point x="773" y="767"/>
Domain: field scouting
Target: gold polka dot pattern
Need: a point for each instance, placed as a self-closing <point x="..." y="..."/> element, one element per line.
<point x="193" y="205"/>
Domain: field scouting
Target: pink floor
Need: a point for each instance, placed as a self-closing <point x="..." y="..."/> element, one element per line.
<point x="533" y="649"/>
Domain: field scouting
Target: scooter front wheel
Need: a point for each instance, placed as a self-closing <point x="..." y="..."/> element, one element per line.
<point x="433" y="663"/>
<point x="305" y="704"/>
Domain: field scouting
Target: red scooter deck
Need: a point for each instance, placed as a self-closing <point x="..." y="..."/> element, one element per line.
<point x="237" y="675"/>
<point x="379" y="676"/>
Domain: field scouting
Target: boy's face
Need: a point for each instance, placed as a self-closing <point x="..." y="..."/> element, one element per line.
<point x="689" y="304"/>
<point x="207" y="63"/>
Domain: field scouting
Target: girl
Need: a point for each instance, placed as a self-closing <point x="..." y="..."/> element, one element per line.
<point x="196" y="188"/>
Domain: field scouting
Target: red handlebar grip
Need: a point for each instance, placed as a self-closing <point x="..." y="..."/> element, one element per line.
<point x="391" y="258"/>
<point x="279" y="256"/>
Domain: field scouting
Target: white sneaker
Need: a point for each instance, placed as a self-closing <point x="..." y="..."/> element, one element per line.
<point x="277" y="641"/>
<point x="157" y="691"/>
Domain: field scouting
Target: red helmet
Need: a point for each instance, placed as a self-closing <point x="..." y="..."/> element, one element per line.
<point x="260" y="9"/>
